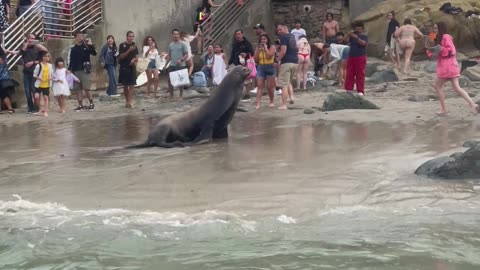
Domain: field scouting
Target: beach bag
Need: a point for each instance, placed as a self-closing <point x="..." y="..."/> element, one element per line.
<point x="199" y="79"/>
<point x="179" y="78"/>
<point x="251" y="65"/>
<point x="142" y="64"/>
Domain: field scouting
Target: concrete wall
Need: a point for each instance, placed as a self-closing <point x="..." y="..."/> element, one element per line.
<point x="148" y="17"/>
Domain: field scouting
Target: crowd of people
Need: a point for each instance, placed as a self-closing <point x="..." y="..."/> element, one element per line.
<point x="275" y="62"/>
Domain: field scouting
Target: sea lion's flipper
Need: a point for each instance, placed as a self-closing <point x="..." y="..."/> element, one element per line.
<point x="220" y="134"/>
<point x="205" y="136"/>
<point x="169" y="145"/>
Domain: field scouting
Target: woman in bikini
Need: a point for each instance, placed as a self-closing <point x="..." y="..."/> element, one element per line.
<point x="407" y="33"/>
<point x="304" y="50"/>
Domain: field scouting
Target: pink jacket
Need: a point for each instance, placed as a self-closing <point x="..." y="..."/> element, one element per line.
<point x="447" y="65"/>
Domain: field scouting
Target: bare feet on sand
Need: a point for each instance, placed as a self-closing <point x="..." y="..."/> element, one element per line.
<point x="271" y="105"/>
<point x="282" y="107"/>
<point x="475" y="109"/>
<point x="442" y="113"/>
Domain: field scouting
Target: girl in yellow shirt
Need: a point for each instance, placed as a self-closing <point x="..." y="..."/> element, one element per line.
<point x="43" y="74"/>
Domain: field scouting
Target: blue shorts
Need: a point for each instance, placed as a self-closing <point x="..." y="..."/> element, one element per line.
<point x="265" y="71"/>
<point x="345" y="53"/>
<point x="152" y="64"/>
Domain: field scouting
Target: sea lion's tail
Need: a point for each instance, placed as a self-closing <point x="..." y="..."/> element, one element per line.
<point x="150" y="144"/>
<point x="138" y="146"/>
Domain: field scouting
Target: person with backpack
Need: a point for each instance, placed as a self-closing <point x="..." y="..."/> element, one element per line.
<point x="43" y="75"/>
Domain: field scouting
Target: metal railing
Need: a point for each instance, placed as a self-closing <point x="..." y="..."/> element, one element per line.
<point x="51" y="19"/>
<point x="217" y="24"/>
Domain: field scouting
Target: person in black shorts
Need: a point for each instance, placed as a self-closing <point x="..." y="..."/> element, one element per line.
<point x="128" y="73"/>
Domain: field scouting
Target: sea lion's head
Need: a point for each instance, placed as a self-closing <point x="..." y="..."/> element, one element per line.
<point x="239" y="73"/>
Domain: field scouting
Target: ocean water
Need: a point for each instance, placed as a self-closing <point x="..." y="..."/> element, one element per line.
<point x="275" y="195"/>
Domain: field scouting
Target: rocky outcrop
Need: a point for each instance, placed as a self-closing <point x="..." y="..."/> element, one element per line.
<point x="347" y="100"/>
<point x="457" y="166"/>
<point x="472" y="73"/>
<point x="466" y="32"/>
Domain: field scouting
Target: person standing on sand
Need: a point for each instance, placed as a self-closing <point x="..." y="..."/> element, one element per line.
<point x="390" y="48"/>
<point x="259" y="30"/>
<point x="79" y="64"/>
<point x="357" y="59"/>
<point x="330" y="29"/>
<point x="177" y="55"/>
<point x="407" y="33"/>
<point x="128" y="57"/>
<point x="43" y="75"/>
<point x="108" y="59"/>
<point x="30" y="53"/>
<point x="448" y="69"/>
<point x="150" y="52"/>
<point x="242" y="51"/>
<point x="288" y="58"/>
<point x="298" y="31"/>
<point x="304" y="62"/>
<point x="265" y="57"/>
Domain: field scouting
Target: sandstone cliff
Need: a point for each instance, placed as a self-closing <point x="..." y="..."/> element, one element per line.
<point x="423" y="13"/>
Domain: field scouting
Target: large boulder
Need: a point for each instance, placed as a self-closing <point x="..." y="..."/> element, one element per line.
<point x="347" y="100"/>
<point x="473" y="73"/>
<point x="457" y="166"/>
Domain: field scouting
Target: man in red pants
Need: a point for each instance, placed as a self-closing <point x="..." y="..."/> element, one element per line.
<point x="357" y="59"/>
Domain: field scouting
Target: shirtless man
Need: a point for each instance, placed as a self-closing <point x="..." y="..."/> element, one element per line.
<point x="406" y="34"/>
<point x="330" y="29"/>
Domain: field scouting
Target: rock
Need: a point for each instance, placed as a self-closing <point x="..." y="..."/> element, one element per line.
<point x="383" y="76"/>
<point x="344" y="100"/>
<point x="464" y="81"/>
<point x="201" y="90"/>
<point x="457" y="166"/>
<point x="418" y="98"/>
<point x="242" y="109"/>
<point x="371" y="69"/>
<point x="473" y="73"/>
<point x="188" y="94"/>
<point x="325" y="83"/>
<point x="295" y="107"/>
<point x="470" y="144"/>
<point x="308" y="111"/>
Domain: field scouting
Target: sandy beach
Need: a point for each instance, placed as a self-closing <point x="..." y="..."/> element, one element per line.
<point x="391" y="97"/>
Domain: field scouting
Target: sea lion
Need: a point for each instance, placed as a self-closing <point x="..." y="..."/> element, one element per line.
<point x="202" y="124"/>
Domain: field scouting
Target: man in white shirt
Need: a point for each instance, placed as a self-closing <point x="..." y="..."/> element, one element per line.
<point x="338" y="53"/>
<point x="298" y="31"/>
